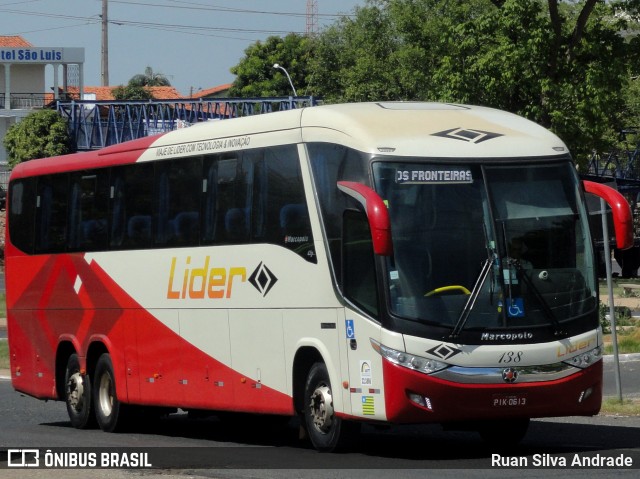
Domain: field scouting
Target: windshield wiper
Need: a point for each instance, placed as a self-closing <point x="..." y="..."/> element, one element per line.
<point x="475" y="292"/>
<point x="546" y="310"/>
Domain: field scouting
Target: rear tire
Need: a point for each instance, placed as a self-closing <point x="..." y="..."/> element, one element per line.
<point x="326" y="431"/>
<point x="77" y="395"/>
<point x="109" y="410"/>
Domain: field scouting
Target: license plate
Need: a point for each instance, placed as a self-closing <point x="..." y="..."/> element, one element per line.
<point x="513" y="400"/>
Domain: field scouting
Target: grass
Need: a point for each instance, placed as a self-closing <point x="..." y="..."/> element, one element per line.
<point x="4" y="355"/>
<point x="614" y="407"/>
<point x="4" y="345"/>
<point x="628" y="326"/>
<point x="628" y="341"/>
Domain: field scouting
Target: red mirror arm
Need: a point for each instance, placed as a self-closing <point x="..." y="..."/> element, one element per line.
<point x="622" y="217"/>
<point x="377" y="213"/>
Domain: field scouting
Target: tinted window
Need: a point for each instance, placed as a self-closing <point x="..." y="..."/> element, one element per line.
<point x="330" y="164"/>
<point x="131" y="214"/>
<point x="88" y="210"/>
<point x="178" y="192"/>
<point x="21" y="213"/>
<point x="51" y="214"/>
<point x="254" y="196"/>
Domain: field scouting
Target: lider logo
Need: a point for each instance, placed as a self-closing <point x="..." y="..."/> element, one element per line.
<point x="202" y="282"/>
<point x="187" y="281"/>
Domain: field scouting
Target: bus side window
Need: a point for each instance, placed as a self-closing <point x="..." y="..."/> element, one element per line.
<point x="209" y="205"/>
<point x="131" y="209"/>
<point x="177" y="201"/>
<point x="329" y="164"/>
<point x="358" y="269"/>
<point x="235" y="180"/>
<point x="287" y="213"/>
<point x="21" y="213"/>
<point x="88" y="210"/>
<point x="51" y="214"/>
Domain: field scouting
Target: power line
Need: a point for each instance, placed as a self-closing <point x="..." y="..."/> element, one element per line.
<point x="200" y="6"/>
<point x="153" y="25"/>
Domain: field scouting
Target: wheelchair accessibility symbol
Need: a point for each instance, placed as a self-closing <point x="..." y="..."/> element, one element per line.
<point x="515" y="308"/>
<point x="351" y="332"/>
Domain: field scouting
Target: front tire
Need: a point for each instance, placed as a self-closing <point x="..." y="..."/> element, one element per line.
<point x="327" y="432"/>
<point x="77" y="395"/>
<point x="109" y="410"/>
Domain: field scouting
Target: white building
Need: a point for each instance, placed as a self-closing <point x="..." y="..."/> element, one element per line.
<point x="22" y="79"/>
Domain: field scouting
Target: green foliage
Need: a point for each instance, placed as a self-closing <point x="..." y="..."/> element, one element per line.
<point x="255" y="75"/>
<point x="4" y="355"/>
<point x="39" y="135"/>
<point x="571" y="66"/>
<point x="564" y="68"/>
<point x="626" y="407"/>
<point x="623" y="316"/>
<point x="149" y="78"/>
<point x="131" y="92"/>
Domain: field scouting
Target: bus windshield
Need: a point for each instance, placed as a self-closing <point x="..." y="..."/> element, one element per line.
<point x="487" y="247"/>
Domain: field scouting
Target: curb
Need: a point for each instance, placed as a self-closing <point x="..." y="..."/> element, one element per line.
<point x="622" y="357"/>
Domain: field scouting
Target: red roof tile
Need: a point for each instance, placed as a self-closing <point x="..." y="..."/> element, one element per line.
<point x="211" y="91"/>
<point x="106" y="92"/>
<point x="13" y="41"/>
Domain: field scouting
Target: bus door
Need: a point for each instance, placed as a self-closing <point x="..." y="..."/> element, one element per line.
<point x="360" y="288"/>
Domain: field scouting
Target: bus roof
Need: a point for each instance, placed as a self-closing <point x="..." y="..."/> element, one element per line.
<point x="430" y="129"/>
<point x="423" y="129"/>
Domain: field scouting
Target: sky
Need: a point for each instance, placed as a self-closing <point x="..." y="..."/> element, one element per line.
<point x="193" y="43"/>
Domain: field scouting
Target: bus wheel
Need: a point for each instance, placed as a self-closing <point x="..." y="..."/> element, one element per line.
<point x="77" y="395"/>
<point x="326" y="431"/>
<point x="109" y="411"/>
<point x="507" y="433"/>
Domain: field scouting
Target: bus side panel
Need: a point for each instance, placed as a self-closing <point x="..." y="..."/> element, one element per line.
<point x="210" y="382"/>
<point x="178" y="357"/>
<point x="159" y="356"/>
<point x="366" y="384"/>
<point x="258" y="355"/>
<point x="29" y="373"/>
<point x="319" y="329"/>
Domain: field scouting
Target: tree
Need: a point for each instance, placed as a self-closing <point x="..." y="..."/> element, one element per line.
<point x="255" y="75"/>
<point x="130" y="92"/>
<point x="149" y="78"/>
<point x="39" y="135"/>
<point x="561" y="64"/>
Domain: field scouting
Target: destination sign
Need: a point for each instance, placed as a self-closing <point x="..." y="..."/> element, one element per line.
<point x="431" y="175"/>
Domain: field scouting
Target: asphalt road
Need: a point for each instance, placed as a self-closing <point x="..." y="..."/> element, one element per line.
<point x="238" y="447"/>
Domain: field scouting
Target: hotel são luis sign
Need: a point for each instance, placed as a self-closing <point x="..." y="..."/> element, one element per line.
<point x="36" y="55"/>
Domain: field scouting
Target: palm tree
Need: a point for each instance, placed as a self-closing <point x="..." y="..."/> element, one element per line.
<point x="149" y="78"/>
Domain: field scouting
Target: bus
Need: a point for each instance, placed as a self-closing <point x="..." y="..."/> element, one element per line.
<point x="383" y="263"/>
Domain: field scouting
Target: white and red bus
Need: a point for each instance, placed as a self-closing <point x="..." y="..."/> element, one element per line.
<point x="384" y="263"/>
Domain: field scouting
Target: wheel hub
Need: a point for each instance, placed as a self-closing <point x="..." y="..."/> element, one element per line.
<point x="105" y="397"/>
<point x="322" y="408"/>
<point x="75" y="391"/>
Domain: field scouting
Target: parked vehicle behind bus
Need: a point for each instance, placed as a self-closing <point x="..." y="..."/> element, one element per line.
<point x="383" y="262"/>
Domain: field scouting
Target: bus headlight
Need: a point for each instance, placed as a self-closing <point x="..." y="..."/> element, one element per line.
<point x="409" y="361"/>
<point x="585" y="359"/>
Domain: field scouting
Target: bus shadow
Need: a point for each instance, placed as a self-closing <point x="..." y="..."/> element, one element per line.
<point x="399" y="446"/>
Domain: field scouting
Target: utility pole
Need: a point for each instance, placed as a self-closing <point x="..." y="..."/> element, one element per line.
<point x="104" y="71"/>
